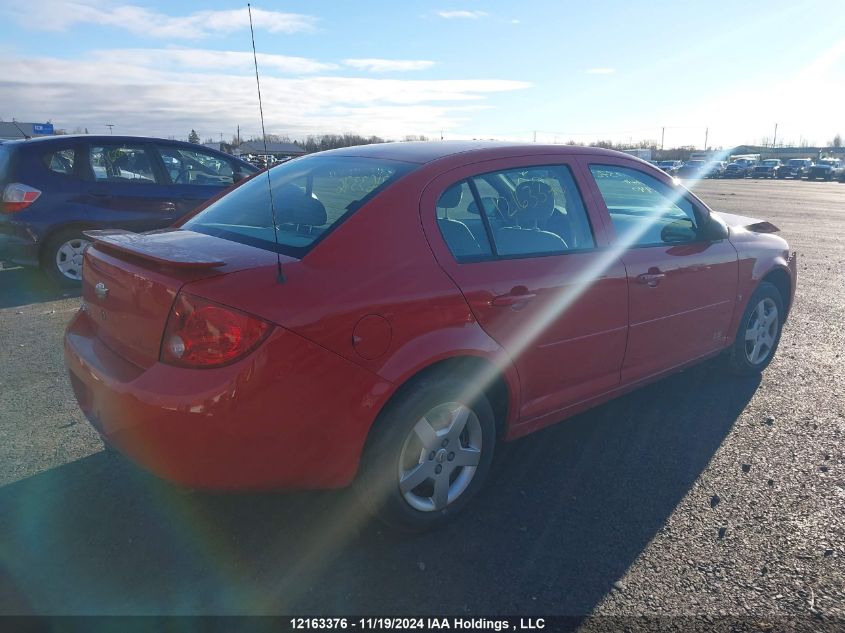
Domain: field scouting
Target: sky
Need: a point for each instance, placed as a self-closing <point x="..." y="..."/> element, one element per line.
<point x="553" y="70"/>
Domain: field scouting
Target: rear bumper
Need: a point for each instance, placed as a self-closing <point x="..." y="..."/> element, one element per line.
<point x="17" y="248"/>
<point x="290" y="415"/>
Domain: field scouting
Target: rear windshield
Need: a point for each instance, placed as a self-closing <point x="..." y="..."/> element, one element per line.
<point x="311" y="196"/>
<point x="5" y="162"/>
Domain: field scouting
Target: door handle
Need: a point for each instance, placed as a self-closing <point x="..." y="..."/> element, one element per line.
<point x="512" y="299"/>
<point x="651" y="278"/>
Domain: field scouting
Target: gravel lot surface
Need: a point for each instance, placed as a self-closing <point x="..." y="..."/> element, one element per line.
<point x="702" y="498"/>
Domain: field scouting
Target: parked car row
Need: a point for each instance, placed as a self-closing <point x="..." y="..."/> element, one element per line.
<point x="772" y="168"/>
<point x="695" y="168"/>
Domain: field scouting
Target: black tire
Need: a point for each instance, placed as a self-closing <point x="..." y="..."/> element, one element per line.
<point x="377" y="484"/>
<point x="738" y="357"/>
<point x="50" y="252"/>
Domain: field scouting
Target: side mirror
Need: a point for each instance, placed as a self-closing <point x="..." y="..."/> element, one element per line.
<point x="678" y="232"/>
<point x="715" y="229"/>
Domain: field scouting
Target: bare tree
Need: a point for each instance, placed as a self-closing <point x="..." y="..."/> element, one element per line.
<point x="837" y="141"/>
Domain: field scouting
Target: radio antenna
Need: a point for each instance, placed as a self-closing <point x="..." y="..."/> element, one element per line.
<point x="280" y="277"/>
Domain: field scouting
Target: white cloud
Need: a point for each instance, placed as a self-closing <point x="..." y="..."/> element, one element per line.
<point x="141" y="96"/>
<point x="56" y="15"/>
<point x="180" y="59"/>
<point x="388" y="65"/>
<point x="462" y="14"/>
<point x="600" y="71"/>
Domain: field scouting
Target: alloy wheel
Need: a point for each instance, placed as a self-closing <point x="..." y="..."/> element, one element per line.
<point x="440" y="457"/>
<point x="761" y="331"/>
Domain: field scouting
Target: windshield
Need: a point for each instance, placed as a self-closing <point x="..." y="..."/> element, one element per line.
<point x="771" y="163"/>
<point x="797" y="162"/>
<point x="310" y="197"/>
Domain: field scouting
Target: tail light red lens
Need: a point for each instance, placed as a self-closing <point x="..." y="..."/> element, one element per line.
<point x="201" y="333"/>
<point x="17" y="197"/>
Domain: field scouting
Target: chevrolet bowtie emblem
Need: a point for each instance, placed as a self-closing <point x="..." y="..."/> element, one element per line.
<point x="101" y="291"/>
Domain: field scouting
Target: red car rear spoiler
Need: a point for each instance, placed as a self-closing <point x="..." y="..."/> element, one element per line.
<point x="160" y="247"/>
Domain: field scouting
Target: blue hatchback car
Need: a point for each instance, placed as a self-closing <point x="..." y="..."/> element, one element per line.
<point x="54" y="188"/>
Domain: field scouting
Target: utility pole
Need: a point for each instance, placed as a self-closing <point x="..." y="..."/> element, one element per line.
<point x="775" y="137"/>
<point x="662" y="137"/>
<point x="239" y="135"/>
<point x="110" y="126"/>
<point x="535" y="136"/>
<point x="706" y="134"/>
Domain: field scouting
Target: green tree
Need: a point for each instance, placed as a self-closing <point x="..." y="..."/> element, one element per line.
<point x="193" y="137"/>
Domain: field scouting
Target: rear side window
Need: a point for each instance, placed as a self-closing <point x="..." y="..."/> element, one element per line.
<point x="311" y="196"/>
<point x="462" y="229"/>
<point x="526" y="211"/>
<point x="60" y="161"/>
<point x="122" y="163"/>
<point x="195" y="167"/>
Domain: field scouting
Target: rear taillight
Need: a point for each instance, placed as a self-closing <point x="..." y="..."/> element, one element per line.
<point x="17" y="197"/>
<point x="201" y="333"/>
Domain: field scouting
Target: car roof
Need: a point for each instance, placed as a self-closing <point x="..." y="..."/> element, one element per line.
<point x="119" y="138"/>
<point x="422" y="152"/>
<point x="108" y="138"/>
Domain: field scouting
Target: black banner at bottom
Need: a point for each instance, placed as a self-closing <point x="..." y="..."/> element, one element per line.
<point x="521" y="624"/>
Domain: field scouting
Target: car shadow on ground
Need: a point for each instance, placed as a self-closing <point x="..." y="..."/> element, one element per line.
<point x="566" y="512"/>
<point x="23" y="286"/>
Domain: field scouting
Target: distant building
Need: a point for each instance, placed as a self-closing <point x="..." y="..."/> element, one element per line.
<point x="12" y="130"/>
<point x="639" y="152"/>
<point x="279" y="150"/>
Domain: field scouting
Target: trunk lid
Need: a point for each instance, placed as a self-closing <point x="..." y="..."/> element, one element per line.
<point x="130" y="281"/>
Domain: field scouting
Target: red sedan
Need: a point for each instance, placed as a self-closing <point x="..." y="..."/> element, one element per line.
<point x="410" y="306"/>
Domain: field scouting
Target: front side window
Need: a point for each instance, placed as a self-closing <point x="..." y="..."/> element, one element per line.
<point x="311" y="196"/>
<point x="194" y="167"/>
<point x="526" y="211"/>
<point x="645" y="211"/>
<point x="122" y="163"/>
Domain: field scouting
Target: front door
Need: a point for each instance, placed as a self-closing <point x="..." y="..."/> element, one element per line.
<point x="521" y="244"/>
<point x="682" y="286"/>
<point x="195" y="175"/>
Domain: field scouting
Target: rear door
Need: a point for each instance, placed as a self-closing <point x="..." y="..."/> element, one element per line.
<point x="195" y="175"/>
<point x="682" y="286"/>
<point x="127" y="188"/>
<point x="534" y="273"/>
